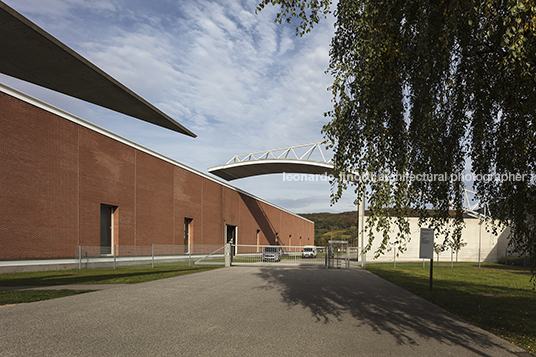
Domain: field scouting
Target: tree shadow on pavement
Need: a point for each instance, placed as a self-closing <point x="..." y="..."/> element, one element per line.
<point x="334" y="295"/>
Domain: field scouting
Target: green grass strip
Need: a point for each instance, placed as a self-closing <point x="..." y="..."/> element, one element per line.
<point x="131" y="275"/>
<point x="24" y="296"/>
<point x="126" y="275"/>
<point x="499" y="299"/>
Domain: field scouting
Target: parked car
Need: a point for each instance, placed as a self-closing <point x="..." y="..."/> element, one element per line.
<point x="272" y="253"/>
<point x="309" y="251"/>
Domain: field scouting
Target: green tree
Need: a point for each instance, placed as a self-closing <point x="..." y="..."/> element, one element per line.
<point x="456" y="244"/>
<point x="438" y="249"/>
<point x="422" y="90"/>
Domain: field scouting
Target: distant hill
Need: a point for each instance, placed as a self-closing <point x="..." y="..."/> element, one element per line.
<point x="337" y="225"/>
<point x="343" y="225"/>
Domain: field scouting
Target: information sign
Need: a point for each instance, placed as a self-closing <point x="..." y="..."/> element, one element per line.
<point x="426" y="250"/>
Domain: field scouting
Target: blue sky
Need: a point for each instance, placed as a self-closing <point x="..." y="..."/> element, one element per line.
<point x="239" y="81"/>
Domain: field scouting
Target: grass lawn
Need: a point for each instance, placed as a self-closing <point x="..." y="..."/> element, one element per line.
<point x="124" y="275"/>
<point x="22" y="296"/>
<point x="499" y="299"/>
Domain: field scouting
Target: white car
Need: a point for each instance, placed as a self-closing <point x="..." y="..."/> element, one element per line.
<point x="309" y="251"/>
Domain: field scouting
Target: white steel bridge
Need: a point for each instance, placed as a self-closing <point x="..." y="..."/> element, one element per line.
<point x="303" y="159"/>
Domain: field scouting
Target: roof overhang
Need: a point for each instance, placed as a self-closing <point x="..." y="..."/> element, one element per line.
<point x="29" y="53"/>
<point x="238" y="170"/>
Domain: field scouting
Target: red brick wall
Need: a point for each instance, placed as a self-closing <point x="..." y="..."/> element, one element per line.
<point x="212" y="220"/>
<point x="154" y="200"/>
<point x="247" y="232"/>
<point x="188" y="198"/>
<point x="107" y="176"/>
<point x="55" y="174"/>
<point x="38" y="182"/>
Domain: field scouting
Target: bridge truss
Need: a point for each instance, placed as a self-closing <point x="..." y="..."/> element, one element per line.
<point x="309" y="159"/>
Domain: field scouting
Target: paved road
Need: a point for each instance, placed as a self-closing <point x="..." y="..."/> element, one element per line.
<point x="245" y="311"/>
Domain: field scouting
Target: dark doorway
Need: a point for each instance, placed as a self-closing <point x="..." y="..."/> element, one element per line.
<point x="107" y="229"/>
<point x="187" y="234"/>
<point x="231" y="237"/>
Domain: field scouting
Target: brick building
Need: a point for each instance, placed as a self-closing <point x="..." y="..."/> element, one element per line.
<point x="65" y="182"/>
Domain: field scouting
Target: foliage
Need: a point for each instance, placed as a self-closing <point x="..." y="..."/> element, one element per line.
<point x="439" y="248"/>
<point x="342" y="225"/>
<point x="421" y="90"/>
<point x="325" y="222"/>
<point x="308" y="11"/>
<point x="456" y="244"/>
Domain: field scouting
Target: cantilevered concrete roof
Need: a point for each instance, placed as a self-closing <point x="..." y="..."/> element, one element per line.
<point x="238" y="170"/>
<point x="29" y="53"/>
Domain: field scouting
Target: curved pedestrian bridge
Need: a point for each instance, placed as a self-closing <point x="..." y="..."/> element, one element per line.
<point x="305" y="159"/>
<point x="300" y="159"/>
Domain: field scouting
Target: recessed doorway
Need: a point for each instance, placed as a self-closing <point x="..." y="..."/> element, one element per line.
<point x="231" y="237"/>
<point x="107" y="229"/>
<point x="187" y="234"/>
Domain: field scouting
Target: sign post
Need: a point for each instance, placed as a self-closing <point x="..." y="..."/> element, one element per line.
<point x="426" y="249"/>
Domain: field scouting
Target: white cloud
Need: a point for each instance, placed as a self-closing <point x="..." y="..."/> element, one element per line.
<point x="239" y="81"/>
<point x="56" y="8"/>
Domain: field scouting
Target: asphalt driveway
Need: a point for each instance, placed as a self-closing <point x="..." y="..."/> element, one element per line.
<point x="245" y="311"/>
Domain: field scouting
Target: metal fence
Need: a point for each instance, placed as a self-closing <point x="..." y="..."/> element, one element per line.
<point x="289" y="255"/>
<point x="156" y="254"/>
<point x="505" y="256"/>
<point x="215" y="257"/>
<point x="338" y="255"/>
<point x="207" y="254"/>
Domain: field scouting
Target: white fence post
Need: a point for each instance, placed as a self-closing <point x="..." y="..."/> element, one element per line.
<point x="79" y="257"/>
<point x="227" y="253"/>
<point x="152" y="256"/>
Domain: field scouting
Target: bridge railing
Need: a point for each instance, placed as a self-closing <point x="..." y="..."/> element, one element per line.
<point x="296" y="152"/>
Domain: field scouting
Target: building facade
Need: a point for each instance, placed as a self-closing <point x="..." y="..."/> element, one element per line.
<point x="66" y="183"/>
<point x="480" y="244"/>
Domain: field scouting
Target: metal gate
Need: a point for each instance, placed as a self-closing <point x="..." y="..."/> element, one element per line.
<point x="277" y="255"/>
<point x="338" y="255"/>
